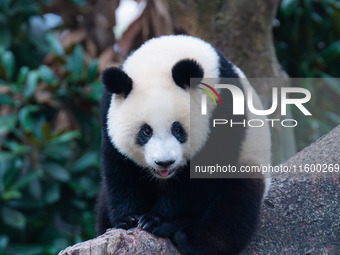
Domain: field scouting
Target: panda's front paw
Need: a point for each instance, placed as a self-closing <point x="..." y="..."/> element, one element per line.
<point x="149" y="222"/>
<point x="127" y="222"/>
<point x="165" y="229"/>
<point x="182" y="240"/>
<point x="171" y="226"/>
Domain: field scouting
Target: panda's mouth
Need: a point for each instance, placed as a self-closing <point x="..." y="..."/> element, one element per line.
<point x="164" y="173"/>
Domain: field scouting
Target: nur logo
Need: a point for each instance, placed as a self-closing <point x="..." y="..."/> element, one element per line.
<point x="209" y="93"/>
<point x="239" y="99"/>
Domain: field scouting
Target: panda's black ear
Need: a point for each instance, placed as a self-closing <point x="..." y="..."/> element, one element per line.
<point x="184" y="70"/>
<point x="116" y="81"/>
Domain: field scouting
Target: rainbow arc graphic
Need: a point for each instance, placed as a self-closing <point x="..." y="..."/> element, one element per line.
<point x="209" y="93"/>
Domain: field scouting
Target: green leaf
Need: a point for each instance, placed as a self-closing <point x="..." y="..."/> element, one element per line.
<point x="58" y="151"/>
<point x="4" y="4"/>
<point x="5" y="100"/>
<point x="57" y="172"/>
<point x="21" y="149"/>
<point x="8" y="61"/>
<point x="47" y="75"/>
<point x="332" y="52"/>
<point x="89" y="186"/>
<point x="27" y="179"/>
<point x="2" y="72"/>
<point x="4" y="240"/>
<point x="54" y="44"/>
<point x="35" y="189"/>
<point x="75" y="63"/>
<point x="25" y="249"/>
<point x="92" y="71"/>
<point x="6" y="155"/>
<point x="333" y="117"/>
<point x="5" y="37"/>
<point x="84" y="162"/>
<point x="22" y="74"/>
<point x="80" y="204"/>
<point x="52" y="195"/>
<point x="17" y="148"/>
<point x="317" y="18"/>
<point x="332" y="83"/>
<point x="62" y="242"/>
<point x="32" y="139"/>
<point x="31" y="83"/>
<point x="25" y="117"/>
<point x="96" y="91"/>
<point x="66" y="137"/>
<point x="13" y="218"/>
<point x="11" y="194"/>
<point x="81" y="3"/>
<point x="47" y="131"/>
<point x="289" y="6"/>
<point x="10" y="175"/>
<point x="7" y="123"/>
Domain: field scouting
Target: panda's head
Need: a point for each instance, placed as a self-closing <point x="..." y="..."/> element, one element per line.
<point x="148" y="119"/>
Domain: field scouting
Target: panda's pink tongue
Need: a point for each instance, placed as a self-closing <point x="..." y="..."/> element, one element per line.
<point x="164" y="172"/>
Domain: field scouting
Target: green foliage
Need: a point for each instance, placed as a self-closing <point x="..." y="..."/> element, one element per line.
<point x="308" y="45"/>
<point x="49" y="141"/>
<point x="16" y="28"/>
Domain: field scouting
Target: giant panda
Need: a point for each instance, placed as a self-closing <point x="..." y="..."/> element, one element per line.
<point x="148" y="142"/>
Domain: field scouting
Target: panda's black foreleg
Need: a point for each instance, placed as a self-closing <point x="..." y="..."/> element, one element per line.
<point x="113" y="213"/>
<point x="123" y="217"/>
<point x="162" y="226"/>
<point x="228" y="224"/>
<point x="169" y="228"/>
<point x="102" y="218"/>
<point x="210" y="237"/>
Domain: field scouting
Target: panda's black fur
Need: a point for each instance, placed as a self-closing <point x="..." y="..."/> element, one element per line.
<point x="200" y="216"/>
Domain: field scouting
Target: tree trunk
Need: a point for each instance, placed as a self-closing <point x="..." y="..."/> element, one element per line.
<point x="242" y="30"/>
<point x="299" y="216"/>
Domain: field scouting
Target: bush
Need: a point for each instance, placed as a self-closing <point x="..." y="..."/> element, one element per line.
<point x="49" y="140"/>
<point x="308" y="45"/>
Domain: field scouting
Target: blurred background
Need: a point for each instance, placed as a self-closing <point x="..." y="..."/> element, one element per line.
<point x="51" y="55"/>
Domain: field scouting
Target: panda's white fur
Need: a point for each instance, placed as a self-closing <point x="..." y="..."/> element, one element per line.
<point x="161" y="102"/>
<point x="256" y="146"/>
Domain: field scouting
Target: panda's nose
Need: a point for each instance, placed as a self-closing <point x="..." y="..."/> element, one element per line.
<point x="165" y="163"/>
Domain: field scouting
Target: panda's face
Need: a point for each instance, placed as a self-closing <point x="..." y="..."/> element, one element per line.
<point x="163" y="142"/>
<point x="149" y="115"/>
<point x="152" y="128"/>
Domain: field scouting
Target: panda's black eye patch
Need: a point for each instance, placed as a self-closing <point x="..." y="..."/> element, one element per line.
<point x="178" y="132"/>
<point x="144" y="134"/>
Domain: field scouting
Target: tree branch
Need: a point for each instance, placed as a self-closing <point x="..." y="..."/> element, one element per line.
<point x="301" y="215"/>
